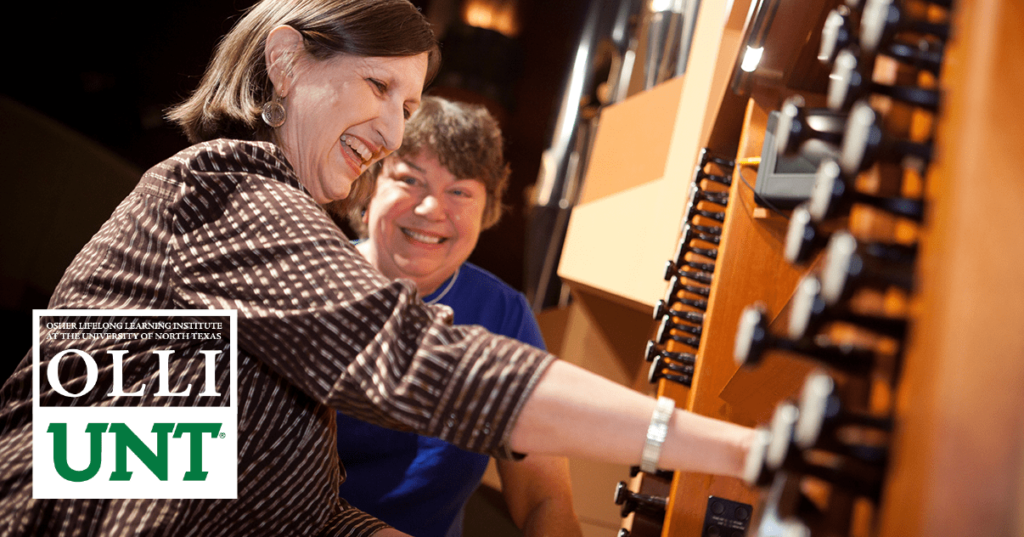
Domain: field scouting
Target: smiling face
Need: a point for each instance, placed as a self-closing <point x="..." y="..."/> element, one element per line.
<point x="343" y="113"/>
<point x="423" y="222"/>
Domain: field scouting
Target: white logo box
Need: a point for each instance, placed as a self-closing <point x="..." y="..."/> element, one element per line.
<point x="219" y="451"/>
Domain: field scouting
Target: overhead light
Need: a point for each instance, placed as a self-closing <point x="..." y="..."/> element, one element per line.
<point x="660" y="5"/>
<point x="751" y="58"/>
<point x="498" y="15"/>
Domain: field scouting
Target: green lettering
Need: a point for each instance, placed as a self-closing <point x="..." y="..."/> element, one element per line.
<point x="195" y="432"/>
<point x="60" y="451"/>
<point x="126" y="439"/>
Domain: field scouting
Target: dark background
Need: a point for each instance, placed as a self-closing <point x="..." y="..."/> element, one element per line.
<point x="108" y="73"/>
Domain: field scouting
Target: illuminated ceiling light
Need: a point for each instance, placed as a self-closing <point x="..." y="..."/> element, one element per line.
<point x="660" y="5"/>
<point x="751" y="58"/>
<point x="497" y="15"/>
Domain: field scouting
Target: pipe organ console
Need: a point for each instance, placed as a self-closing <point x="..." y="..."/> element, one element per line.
<point x="874" y="334"/>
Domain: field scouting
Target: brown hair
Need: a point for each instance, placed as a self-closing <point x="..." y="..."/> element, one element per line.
<point x="466" y="140"/>
<point x="234" y="88"/>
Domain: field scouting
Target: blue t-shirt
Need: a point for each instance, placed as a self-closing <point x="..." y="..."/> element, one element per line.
<point x="420" y="484"/>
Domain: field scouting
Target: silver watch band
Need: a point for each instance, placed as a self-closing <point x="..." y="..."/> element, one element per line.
<point x="656" y="433"/>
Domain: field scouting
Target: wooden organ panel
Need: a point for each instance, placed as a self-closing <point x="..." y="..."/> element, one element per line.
<point x="951" y="388"/>
<point x="959" y="451"/>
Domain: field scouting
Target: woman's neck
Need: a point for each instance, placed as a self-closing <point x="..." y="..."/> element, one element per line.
<point x="425" y="286"/>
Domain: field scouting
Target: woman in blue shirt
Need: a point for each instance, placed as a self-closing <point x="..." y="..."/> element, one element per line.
<point x="433" y="198"/>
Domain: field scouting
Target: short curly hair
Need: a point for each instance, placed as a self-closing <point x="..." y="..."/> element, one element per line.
<point x="467" y="141"/>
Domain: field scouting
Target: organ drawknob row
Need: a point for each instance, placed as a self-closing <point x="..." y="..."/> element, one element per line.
<point x="871" y="142"/>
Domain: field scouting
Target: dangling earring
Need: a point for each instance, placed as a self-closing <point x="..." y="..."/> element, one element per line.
<point x="273" y="112"/>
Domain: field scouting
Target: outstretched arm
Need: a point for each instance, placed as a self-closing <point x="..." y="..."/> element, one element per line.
<point x="576" y="413"/>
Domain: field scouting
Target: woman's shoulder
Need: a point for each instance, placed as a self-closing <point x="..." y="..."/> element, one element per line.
<point x="221" y="162"/>
<point x="201" y="179"/>
<point x="226" y="156"/>
<point x="483" y="278"/>
<point x="488" y="301"/>
<point x="481" y="282"/>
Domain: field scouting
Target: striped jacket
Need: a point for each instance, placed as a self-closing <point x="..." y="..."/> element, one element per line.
<point x="226" y="225"/>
